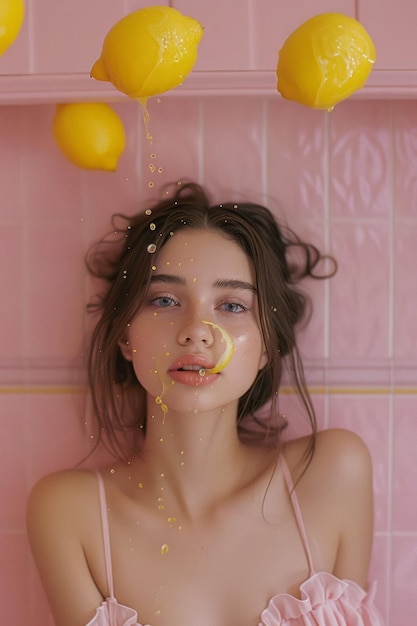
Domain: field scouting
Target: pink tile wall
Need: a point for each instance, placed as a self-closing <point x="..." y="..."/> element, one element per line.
<point x="347" y="180"/>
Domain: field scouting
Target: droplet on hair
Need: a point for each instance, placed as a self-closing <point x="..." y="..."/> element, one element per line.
<point x="152" y="226"/>
<point x="148" y="211"/>
<point x="151" y="248"/>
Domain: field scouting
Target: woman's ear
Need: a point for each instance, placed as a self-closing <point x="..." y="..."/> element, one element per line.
<point x="126" y="350"/>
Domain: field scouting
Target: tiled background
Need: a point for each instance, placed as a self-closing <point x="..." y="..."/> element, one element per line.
<point x="348" y="180"/>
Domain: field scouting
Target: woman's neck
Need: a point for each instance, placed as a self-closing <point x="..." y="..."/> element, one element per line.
<point x="196" y="459"/>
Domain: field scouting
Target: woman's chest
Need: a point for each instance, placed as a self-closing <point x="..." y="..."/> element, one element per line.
<point x="224" y="573"/>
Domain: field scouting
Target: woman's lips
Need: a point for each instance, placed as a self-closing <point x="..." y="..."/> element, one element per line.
<point x="190" y="369"/>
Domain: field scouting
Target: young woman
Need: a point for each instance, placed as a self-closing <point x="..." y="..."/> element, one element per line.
<point x="206" y="518"/>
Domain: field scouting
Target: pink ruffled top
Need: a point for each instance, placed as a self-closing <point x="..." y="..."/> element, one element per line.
<point x="325" y="600"/>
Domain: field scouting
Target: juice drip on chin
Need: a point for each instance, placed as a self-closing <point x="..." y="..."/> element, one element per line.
<point x="159" y="401"/>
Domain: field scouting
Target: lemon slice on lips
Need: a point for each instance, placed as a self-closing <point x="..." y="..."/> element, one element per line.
<point x="149" y="51"/>
<point x="12" y="13"/>
<point x="228" y="351"/>
<point x="325" y="60"/>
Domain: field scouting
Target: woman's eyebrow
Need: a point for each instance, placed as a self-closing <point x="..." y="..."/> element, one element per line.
<point x="221" y="283"/>
<point x="234" y="283"/>
<point x="168" y="278"/>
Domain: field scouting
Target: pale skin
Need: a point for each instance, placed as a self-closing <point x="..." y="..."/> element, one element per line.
<point x="220" y="508"/>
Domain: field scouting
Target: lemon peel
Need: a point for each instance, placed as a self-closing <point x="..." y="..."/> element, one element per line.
<point x="325" y="60"/>
<point x="90" y="134"/>
<point x="149" y="51"/>
<point x="228" y="351"/>
<point x="12" y="14"/>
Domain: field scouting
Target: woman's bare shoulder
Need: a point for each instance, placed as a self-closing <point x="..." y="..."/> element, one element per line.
<point x="339" y="456"/>
<point x="63" y="523"/>
<point x="336" y="492"/>
<point x="63" y="488"/>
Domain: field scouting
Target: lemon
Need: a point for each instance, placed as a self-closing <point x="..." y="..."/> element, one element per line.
<point x="90" y="134"/>
<point x="149" y="51"/>
<point x="12" y="13"/>
<point x="228" y="351"/>
<point x="325" y="60"/>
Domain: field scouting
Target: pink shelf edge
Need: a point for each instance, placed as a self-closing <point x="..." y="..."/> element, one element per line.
<point x="44" y="88"/>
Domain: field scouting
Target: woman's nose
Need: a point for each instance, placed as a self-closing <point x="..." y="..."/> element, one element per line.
<point x="197" y="332"/>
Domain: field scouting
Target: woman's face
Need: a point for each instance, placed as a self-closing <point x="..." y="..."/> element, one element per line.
<point x="200" y="314"/>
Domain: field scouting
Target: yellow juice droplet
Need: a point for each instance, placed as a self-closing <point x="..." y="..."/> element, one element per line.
<point x="146" y="117"/>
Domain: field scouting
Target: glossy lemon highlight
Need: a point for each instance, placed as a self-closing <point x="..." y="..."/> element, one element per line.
<point x="325" y="60"/>
<point x="149" y="51"/>
<point x="90" y="134"/>
<point x="228" y="351"/>
<point x="12" y="13"/>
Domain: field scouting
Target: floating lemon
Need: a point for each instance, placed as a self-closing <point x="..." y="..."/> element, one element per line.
<point x="12" y="13"/>
<point x="149" y="51"/>
<point x="228" y="352"/>
<point x="90" y="134"/>
<point x="325" y="60"/>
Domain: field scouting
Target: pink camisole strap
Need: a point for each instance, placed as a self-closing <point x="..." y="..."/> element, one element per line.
<point x="106" y="534"/>
<point x="297" y="512"/>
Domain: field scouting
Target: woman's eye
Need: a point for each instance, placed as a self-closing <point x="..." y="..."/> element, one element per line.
<point x="234" y="307"/>
<point x="163" y="302"/>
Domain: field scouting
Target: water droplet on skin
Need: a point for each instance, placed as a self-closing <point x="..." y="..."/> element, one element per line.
<point x="153" y="267"/>
<point x="112" y="471"/>
<point x="148" y="212"/>
<point x="159" y="170"/>
<point x="150" y="184"/>
<point x="164" y="548"/>
<point x="140" y="485"/>
<point x="151" y="167"/>
<point x="151" y="248"/>
<point x="158" y="400"/>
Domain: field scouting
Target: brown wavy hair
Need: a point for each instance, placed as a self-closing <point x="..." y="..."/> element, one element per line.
<point x="125" y="259"/>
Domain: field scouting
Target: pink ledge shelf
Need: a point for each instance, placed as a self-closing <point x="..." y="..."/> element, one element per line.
<point x="44" y="88"/>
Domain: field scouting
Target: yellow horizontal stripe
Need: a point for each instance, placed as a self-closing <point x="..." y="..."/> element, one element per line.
<point x="68" y="390"/>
